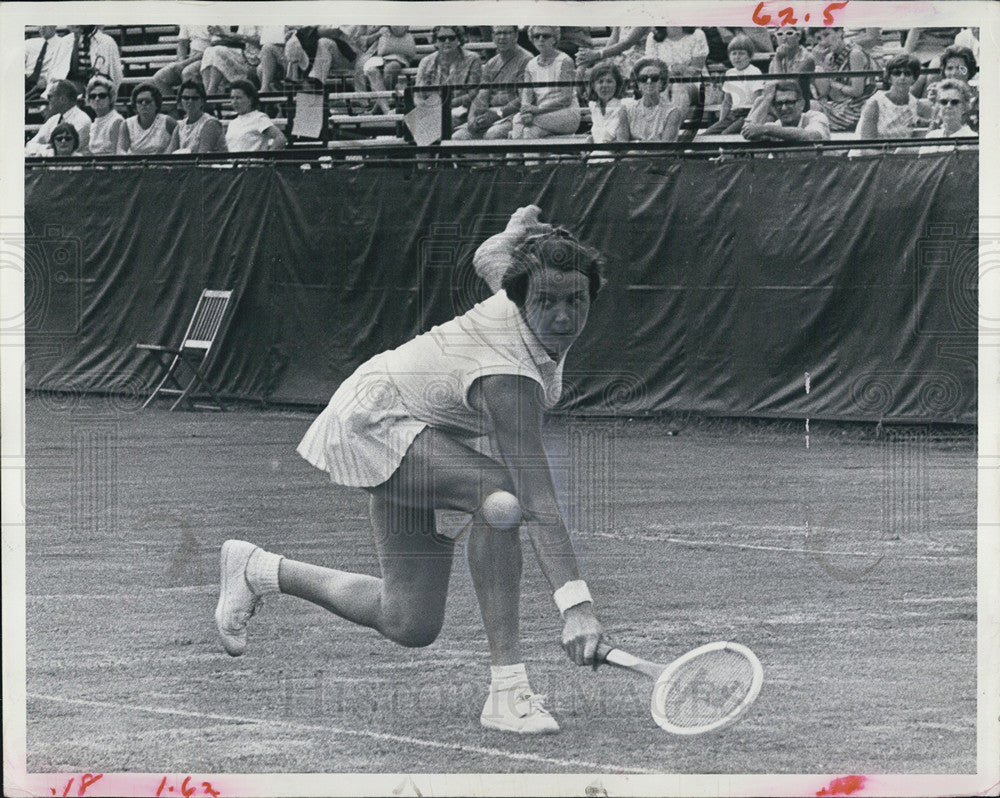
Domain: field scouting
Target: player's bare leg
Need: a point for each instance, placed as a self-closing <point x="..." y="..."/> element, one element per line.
<point x="495" y="564"/>
<point x="406" y="604"/>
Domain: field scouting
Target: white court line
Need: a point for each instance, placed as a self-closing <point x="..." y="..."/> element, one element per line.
<point x="829" y="553"/>
<point x="395" y="738"/>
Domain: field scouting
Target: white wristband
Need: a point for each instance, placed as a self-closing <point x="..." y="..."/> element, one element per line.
<point x="571" y="594"/>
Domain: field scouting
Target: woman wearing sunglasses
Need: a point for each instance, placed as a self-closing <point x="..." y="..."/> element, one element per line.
<point x="65" y="141"/>
<point x="894" y="112"/>
<point x="106" y="129"/>
<point x="651" y="116"/>
<point x="450" y="65"/>
<point x="547" y="110"/>
<point x="198" y="131"/>
<point x="149" y="131"/>
<point x="952" y="105"/>
<point x="789" y="54"/>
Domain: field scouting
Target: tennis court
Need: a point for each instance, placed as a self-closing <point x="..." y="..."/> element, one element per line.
<point x="849" y="568"/>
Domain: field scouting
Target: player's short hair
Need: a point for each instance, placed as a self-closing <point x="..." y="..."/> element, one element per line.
<point x="556" y="249"/>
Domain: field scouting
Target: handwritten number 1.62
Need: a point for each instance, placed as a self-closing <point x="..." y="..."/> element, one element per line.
<point x="186" y="789"/>
<point x="786" y="16"/>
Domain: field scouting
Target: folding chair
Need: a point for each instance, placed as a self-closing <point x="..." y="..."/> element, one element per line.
<point x="193" y="351"/>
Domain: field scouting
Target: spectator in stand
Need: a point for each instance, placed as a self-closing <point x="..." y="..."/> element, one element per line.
<point x="61" y="108"/>
<point x="547" y="110"/>
<point x="272" y="68"/>
<point x="394" y="51"/>
<point x="841" y="99"/>
<point x="491" y="115"/>
<point x="192" y="41"/>
<point x="790" y="56"/>
<point x="606" y="109"/>
<point x="953" y="102"/>
<point x="148" y="132"/>
<point x="198" y="131"/>
<point x="684" y="51"/>
<point x="84" y="52"/>
<point x="956" y="63"/>
<point x="651" y="116"/>
<point x="894" y="113"/>
<point x="572" y="39"/>
<point x="234" y="54"/>
<point x="106" y="129"/>
<point x="39" y="55"/>
<point x="624" y="48"/>
<point x="738" y="95"/>
<point x="312" y="52"/>
<point x="784" y="99"/>
<point x="65" y="141"/>
<point x="251" y="130"/>
<point x="450" y="65"/>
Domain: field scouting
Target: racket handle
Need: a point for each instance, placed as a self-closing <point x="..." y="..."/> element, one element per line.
<point x="622" y="659"/>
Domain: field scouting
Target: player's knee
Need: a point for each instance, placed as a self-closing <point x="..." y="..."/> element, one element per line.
<point x="413" y="626"/>
<point x="501" y="510"/>
<point x="413" y="634"/>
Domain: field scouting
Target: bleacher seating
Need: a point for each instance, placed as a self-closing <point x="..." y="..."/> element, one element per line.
<point x="146" y="48"/>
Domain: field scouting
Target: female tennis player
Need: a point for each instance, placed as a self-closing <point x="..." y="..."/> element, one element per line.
<point x="404" y="428"/>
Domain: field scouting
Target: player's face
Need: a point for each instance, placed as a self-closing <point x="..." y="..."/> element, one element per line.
<point x="556" y="307"/>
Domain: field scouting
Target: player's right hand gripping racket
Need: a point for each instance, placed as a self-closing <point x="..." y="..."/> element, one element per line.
<point x="709" y="688"/>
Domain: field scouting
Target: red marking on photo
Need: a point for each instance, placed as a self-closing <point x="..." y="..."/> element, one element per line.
<point x="845" y="785"/>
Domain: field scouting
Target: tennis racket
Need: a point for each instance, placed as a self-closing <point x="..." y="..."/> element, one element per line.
<point x="709" y="688"/>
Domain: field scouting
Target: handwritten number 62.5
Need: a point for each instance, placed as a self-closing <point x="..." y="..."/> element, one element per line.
<point x="786" y="16"/>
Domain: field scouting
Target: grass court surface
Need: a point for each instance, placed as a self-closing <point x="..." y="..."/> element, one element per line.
<point x="849" y="568"/>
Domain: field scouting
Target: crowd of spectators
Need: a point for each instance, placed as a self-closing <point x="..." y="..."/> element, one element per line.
<point x="577" y="87"/>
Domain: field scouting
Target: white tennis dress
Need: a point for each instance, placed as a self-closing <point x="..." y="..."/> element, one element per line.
<point x="364" y="432"/>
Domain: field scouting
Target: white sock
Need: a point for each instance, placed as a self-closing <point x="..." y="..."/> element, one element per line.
<point x="505" y="677"/>
<point x="262" y="572"/>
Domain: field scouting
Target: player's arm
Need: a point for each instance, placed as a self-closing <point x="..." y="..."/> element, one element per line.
<point x="514" y="405"/>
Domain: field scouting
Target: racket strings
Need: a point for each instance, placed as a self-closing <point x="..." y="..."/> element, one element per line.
<point x="706" y="689"/>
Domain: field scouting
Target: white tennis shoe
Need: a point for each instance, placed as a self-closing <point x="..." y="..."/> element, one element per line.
<point x="237" y="602"/>
<point x="517" y="710"/>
